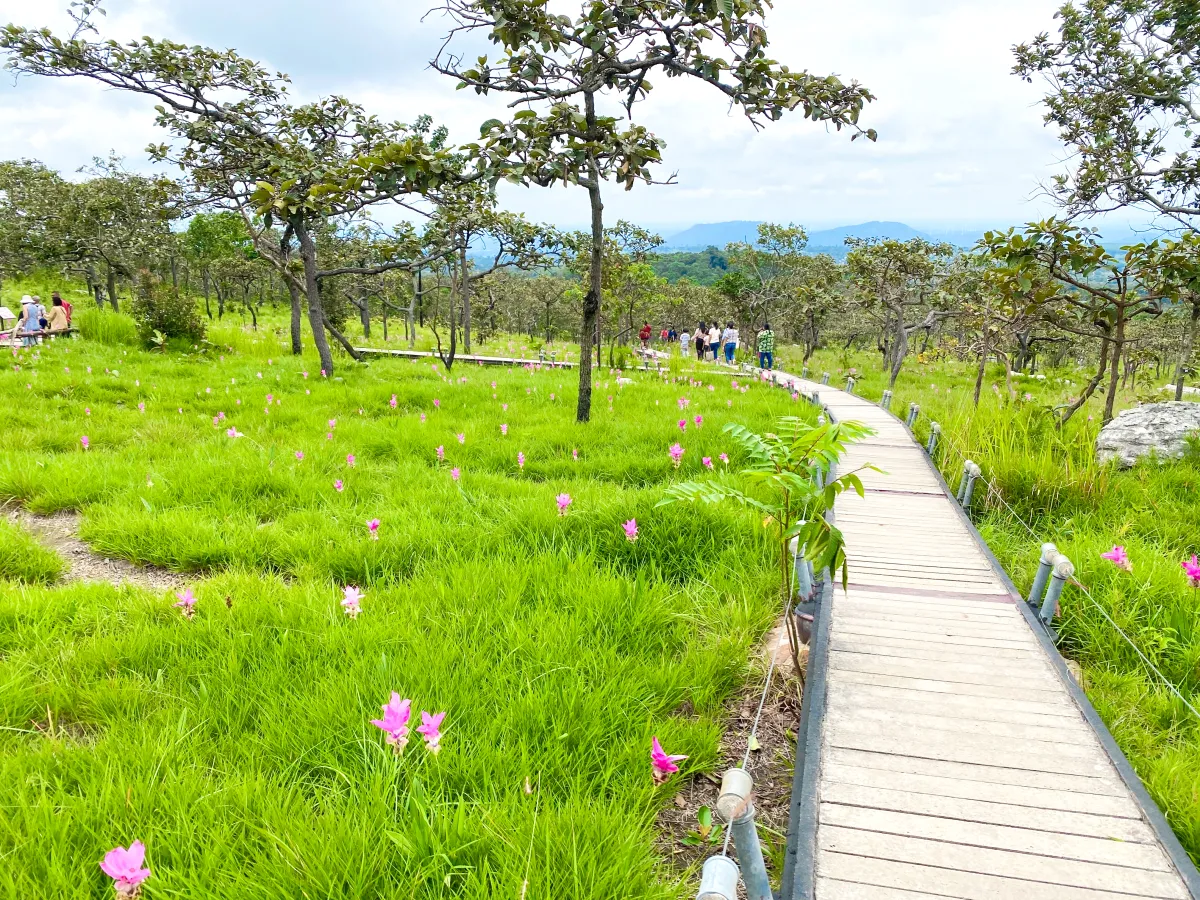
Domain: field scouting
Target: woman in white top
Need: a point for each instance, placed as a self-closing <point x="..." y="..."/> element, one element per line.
<point x="714" y="340"/>
<point x="729" y="337"/>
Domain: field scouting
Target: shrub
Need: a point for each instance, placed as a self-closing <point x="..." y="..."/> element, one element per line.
<point x="160" y="309"/>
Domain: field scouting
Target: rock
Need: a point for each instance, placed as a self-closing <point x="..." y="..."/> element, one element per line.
<point x="1161" y="428"/>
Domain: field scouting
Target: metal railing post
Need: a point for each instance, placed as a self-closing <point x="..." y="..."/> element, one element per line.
<point x="962" y="484"/>
<point x="849" y="384"/>
<point x="974" y="473"/>
<point x="825" y="378"/>
<point x="803" y="586"/>
<point x="914" y="411"/>
<point x="735" y="806"/>
<point x="816" y="399"/>
<point x="804" y="372"/>
<point x="1045" y="564"/>
<point x="718" y="879"/>
<point x="935" y="431"/>
<point x="886" y="400"/>
<point x="1063" y="570"/>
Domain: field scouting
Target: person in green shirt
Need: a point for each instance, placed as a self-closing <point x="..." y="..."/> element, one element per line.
<point x="766" y="347"/>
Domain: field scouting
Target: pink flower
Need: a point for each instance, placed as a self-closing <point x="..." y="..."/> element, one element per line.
<point x="299" y="454"/>
<point x="493" y="385"/>
<point x="141" y="407"/>
<point x="1192" y="569"/>
<point x="373" y="527"/>
<point x="520" y="460"/>
<point x="84" y="440"/>
<point x="683" y="424"/>
<point x="437" y="404"/>
<point x="1118" y="558"/>
<point x="707" y="461"/>
<point x="394" y="723"/>
<point x="441" y="453"/>
<point x="575" y="454"/>
<point x="234" y="433"/>
<point x="699" y="420"/>
<point x="462" y="438"/>
<point x="187" y="603"/>
<point x="676" y="454"/>
<point x="392" y="402"/>
<point x="683" y="402"/>
<point x="350" y="460"/>
<point x="329" y="435"/>
<point x="87" y="410"/>
<point x="422" y="417"/>
<point x="662" y="765"/>
<point x="631" y="531"/>
<point x="430" y="729"/>
<point x="724" y="457"/>
<point x="504" y="407"/>
<point x="729" y="403"/>
<point x="338" y="486"/>
<point x="454" y="473"/>
<point x="351" y="598"/>
<point x="332" y="424"/>
<point x="563" y="501"/>
<point x="124" y="867"/>
<point x="504" y="429"/>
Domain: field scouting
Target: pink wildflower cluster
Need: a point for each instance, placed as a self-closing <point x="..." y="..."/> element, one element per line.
<point x="662" y="766"/>
<point x="676" y="452"/>
<point x="351" y="601"/>
<point x="126" y="869"/>
<point x="186" y="604"/>
<point x="396" y="714"/>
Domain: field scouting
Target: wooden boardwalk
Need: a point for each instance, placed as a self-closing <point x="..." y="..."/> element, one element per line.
<point x="951" y="756"/>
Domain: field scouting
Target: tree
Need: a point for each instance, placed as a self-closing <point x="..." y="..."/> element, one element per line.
<point x="565" y="66"/>
<point x="245" y="147"/>
<point x="898" y="282"/>
<point x="1123" y="76"/>
<point x="215" y="238"/>
<point x="1098" y="294"/>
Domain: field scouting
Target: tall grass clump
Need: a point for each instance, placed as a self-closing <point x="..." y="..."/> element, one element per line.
<point x="23" y="559"/>
<point x="105" y="326"/>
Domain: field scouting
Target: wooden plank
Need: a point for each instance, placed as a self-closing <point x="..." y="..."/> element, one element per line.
<point x="885" y="715"/>
<point x="941" y="686"/>
<point x="850" y="696"/>
<point x="902" y="798"/>
<point x="833" y="889"/>
<point x="959" y="673"/>
<point x="833" y="866"/>
<point x="997" y="837"/>
<point x="1107" y="783"/>
<point x="855" y="626"/>
<point x="954" y="749"/>
<point x="1004" y="863"/>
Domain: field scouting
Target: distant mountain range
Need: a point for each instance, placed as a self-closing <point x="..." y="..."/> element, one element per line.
<point x="718" y="234"/>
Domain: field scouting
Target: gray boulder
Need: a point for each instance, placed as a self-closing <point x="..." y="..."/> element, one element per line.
<point x="1161" y="428"/>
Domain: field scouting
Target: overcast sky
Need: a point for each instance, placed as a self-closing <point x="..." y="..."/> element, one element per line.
<point x="961" y="140"/>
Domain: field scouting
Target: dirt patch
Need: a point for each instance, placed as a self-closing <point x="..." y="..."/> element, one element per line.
<point x="60" y="533"/>
<point x="771" y="765"/>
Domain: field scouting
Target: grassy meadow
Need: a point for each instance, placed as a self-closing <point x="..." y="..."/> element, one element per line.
<point x="237" y="744"/>
<point x="1048" y="479"/>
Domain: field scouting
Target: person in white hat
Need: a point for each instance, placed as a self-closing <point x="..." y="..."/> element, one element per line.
<point x="28" y="324"/>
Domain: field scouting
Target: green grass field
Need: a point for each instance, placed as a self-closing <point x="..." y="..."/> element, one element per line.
<point x="1049" y="480"/>
<point x="238" y="745"/>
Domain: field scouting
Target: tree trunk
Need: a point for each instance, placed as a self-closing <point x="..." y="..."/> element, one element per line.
<point x="591" y="301"/>
<point x="899" y="350"/>
<point x="466" y="296"/>
<point x="1114" y="377"/>
<point x="312" y="291"/>
<point x="297" y="309"/>
<point x="1091" y="385"/>
<point x="1185" y="353"/>
<point x="409" y="327"/>
<point x="207" y="303"/>
<point x="364" y="316"/>
<point x="981" y="371"/>
<point x="174" y="273"/>
<point x="112" y="289"/>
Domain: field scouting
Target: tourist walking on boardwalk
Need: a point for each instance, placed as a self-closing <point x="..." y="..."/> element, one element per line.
<point x="701" y="340"/>
<point x="714" y="340"/>
<point x="729" y="338"/>
<point x="766" y="347"/>
<point x="685" y="343"/>
<point x="644" y="335"/>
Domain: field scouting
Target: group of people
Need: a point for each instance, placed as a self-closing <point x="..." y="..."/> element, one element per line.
<point x="709" y="337"/>
<point x="35" y="320"/>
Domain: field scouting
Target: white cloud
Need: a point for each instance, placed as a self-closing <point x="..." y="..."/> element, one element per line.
<point x="961" y="139"/>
